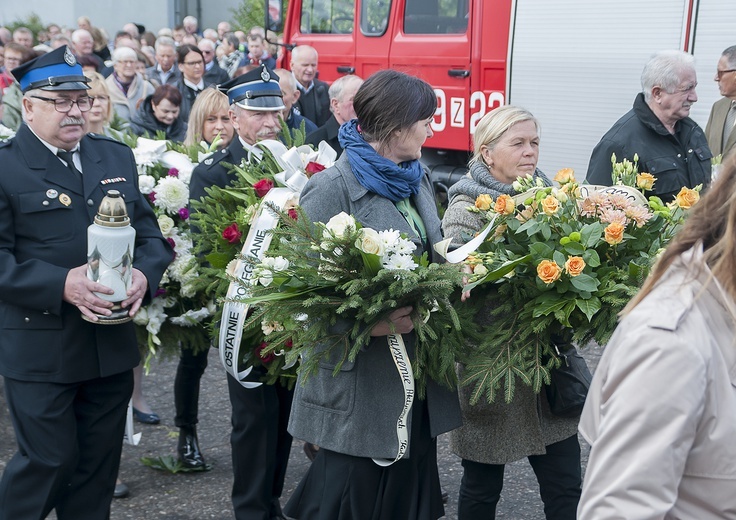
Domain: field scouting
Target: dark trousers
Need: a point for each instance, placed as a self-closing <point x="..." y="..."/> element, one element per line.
<point x="260" y="448"/>
<point x="558" y="473"/>
<point x="70" y="437"/>
<point x="186" y="386"/>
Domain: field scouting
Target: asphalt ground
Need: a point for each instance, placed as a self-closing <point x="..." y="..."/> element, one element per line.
<point x="159" y="495"/>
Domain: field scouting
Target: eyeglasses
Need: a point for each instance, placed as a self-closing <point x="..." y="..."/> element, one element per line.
<point x="720" y="73"/>
<point x="64" y="105"/>
<point x="207" y="52"/>
<point x="194" y="63"/>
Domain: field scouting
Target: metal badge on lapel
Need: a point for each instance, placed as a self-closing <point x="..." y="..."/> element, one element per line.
<point x="65" y="199"/>
<point x="208" y="161"/>
<point x="52" y="194"/>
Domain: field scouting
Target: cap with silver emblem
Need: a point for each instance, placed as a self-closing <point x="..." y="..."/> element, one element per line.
<point x="56" y="70"/>
<point x="255" y="90"/>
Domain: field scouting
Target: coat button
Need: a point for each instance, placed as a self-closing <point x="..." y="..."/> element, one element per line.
<point x="90" y="202"/>
<point x="45" y="203"/>
<point x="27" y="319"/>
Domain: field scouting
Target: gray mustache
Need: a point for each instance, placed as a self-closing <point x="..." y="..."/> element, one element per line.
<point x="69" y="121"/>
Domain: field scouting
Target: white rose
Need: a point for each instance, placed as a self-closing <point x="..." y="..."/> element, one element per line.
<point x="165" y="224"/>
<point x="146" y="183"/>
<point x="369" y="241"/>
<point x="340" y="224"/>
<point x="280" y="263"/>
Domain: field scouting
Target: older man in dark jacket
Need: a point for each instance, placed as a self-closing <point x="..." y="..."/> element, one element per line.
<point x="669" y="144"/>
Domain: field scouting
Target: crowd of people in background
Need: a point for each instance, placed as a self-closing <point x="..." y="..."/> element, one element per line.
<point x="221" y="86"/>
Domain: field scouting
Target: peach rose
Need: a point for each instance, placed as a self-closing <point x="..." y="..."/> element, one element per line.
<point x="574" y="265"/>
<point x="483" y="202"/>
<point x="504" y="205"/>
<point x="565" y="175"/>
<point x="645" y="181"/>
<point x="687" y="198"/>
<point x="550" y="205"/>
<point x="614" y="233"/>
<point x="548" y="271"/>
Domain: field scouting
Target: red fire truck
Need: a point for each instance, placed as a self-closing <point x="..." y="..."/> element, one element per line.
<point x="574" y="63"/>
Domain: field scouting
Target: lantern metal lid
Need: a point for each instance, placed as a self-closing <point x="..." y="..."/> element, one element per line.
<point x="112" y="212"/>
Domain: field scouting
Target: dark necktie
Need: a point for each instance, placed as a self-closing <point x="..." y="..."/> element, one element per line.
<point x="67" y="157"/>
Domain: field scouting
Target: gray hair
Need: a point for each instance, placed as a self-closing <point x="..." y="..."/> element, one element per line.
<point x="299" y="50"/>
<point x="122" y="53"/>
<point x="207" y="43"/>
<point x="80" y="32"/>
<point x="340" y="84"/>
<point x="165" y="41"/>
<point x="730" y="54"/>
<point x="665" y="69"/>
<point x="287" y="76"/>
<point x="231" y="39"/>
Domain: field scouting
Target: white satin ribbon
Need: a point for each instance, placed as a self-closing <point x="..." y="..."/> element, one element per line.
<point x="403" y="365"/>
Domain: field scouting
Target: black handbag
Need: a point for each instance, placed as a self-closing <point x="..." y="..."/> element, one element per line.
<point x="570" y="383"/>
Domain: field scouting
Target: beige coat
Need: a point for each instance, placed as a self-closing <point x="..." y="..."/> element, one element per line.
<point x="714" y="128"/>
<point x="661" y="411"/>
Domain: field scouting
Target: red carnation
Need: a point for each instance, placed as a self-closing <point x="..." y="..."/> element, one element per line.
<point x="232" y="234"/>
<point x="293" y="214"/>
<point x="173" y="172"/>
<point x="262" y="187"/>
<point x="267" y="358"/>
<point x="314" y="167"/>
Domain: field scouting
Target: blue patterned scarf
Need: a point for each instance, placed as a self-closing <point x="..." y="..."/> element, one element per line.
<point x="376" y="173"/>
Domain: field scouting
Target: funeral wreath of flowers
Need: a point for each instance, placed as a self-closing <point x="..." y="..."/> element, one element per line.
<point x="561" y="263"/>
<point x="175" y="317"/>
<point x="323" y="287"/>
<point x="223" y="219"/>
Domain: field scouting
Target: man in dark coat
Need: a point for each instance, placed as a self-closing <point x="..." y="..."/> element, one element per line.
<point x="68" y="380"/>
<point x="669" y="144"/>
<point x="342" y="92"/>
<point x="314" y="101"/>
<point x="213" y="73"/>
<point x="259" y="440"/>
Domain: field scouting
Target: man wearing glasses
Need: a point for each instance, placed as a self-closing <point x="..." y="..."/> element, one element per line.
<point x="719" y="130"/>
<point x="669" y="144"/>
<point x="192" y="81"/>
<point x="68" y="380"/>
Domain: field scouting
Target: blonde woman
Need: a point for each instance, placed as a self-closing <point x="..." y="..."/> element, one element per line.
<point x="661" y="410"/>
<point x="99" y="116"/>
<point x="209" y="119"/>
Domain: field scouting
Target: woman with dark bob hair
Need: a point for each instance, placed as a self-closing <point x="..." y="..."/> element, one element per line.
<point x="352" y="416"/>
<point x="160" y="112"/>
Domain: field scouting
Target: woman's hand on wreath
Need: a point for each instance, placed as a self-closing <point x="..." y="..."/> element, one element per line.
<point x="398" y="322"/>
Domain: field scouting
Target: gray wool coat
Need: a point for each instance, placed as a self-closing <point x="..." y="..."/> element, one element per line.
<point x="499" y="433"/>
<point x="355" y="412"/>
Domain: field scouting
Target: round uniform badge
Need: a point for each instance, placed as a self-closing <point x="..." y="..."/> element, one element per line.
<point x="52" y="194"/>
<point x="69" y="58"/>
<point x="65" y="199"/>
<point x="208" y="161"/>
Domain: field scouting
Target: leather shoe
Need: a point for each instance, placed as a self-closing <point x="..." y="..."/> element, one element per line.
<point x="145" y="418"/>
<point x="188" y="449"/>
<point x="121" y="490"/>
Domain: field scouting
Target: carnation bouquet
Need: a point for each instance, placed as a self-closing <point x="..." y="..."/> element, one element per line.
<point x="175" y="316"/>
<point x="560" y="264"/>
<point x="226" y="218"/>
<point x="323" y="287"/>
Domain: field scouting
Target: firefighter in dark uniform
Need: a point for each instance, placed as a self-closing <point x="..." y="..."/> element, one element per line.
<point x="259" y="440"/>
<point x="67" y="380"/>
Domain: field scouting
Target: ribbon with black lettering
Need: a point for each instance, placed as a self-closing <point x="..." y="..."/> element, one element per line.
<point x="403" y="365"/>
<point x="233" y="312"/>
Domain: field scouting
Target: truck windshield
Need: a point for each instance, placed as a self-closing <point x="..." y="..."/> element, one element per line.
<point x="327" y="16"/>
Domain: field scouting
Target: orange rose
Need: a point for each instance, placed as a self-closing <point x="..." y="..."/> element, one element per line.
<point x="504" y="205"/>
<point x="614" y="233"/>
<point x="548" y="271"/>
<point x="565" y="175"/>
<point x="483" y="202"/>
<point x="687" y="198"/>
<point x="645" y="181"/>
<point x="550" y="205"/>
<point x="574" y="265"/>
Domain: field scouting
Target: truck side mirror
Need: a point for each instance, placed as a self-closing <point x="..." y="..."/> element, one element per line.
<point x="274" y="10"/>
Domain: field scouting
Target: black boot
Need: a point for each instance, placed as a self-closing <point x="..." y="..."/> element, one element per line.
<point x="188" y="448"/>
